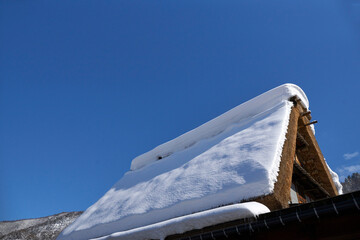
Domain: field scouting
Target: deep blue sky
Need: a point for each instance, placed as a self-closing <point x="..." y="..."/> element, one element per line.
<point x="86" y="86"/>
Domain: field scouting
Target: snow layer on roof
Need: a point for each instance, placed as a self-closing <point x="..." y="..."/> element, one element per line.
<point x="250" y="108"/>
<point x="192" y="221"/>
<point x="240" y="162"/>
<point x="335" y="179"/>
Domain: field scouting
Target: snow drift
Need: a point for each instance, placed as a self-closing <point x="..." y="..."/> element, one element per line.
<point x="193" y="221"/>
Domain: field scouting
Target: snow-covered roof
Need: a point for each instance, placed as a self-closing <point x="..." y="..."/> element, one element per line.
<point x="189" y="222"/>
<point x="233" y="157"/>
<point x="213" y="127"/>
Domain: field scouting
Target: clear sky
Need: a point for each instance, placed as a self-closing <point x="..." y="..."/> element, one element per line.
<point x="86" y="86"/>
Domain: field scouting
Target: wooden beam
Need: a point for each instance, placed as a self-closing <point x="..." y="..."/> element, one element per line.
<point x="310" y="123"/>
<point x="303" y="114"/>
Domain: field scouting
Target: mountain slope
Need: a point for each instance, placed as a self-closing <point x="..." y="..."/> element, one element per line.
<point x="45" y="228"/>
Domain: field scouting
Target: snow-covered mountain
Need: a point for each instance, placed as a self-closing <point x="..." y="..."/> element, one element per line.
<point x="44" y="228"/>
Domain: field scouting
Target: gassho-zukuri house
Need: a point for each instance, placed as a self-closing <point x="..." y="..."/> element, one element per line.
<point x="254" y="172"/>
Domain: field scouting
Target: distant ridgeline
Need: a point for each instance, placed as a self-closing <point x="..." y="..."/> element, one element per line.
<point x="351" y="183"/>
<point x="45" y="228"/>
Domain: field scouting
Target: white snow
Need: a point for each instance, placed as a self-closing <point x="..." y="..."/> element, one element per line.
<point x="231" y="158"/>
<point x="12" y="226"/>
<point x="37" y="228"/>
<point x="312" y="127"/>
<point x="248" y="109"/>
<point x="335" y="179"/>
<point x="192" y="221"/>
